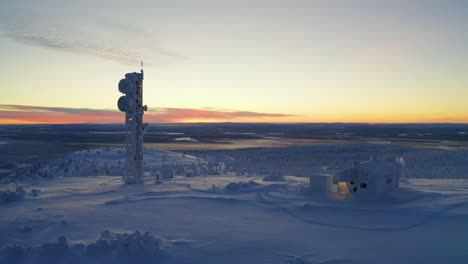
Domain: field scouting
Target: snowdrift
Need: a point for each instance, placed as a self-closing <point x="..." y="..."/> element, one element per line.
<point x="108" y="248"/>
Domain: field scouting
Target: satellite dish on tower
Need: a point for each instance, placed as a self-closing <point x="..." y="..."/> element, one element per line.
<point x="125" y="104"/>
<point x="126" y="86"/>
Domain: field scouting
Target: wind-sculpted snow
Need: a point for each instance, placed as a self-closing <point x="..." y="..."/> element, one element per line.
<point x="8" y="196"/>
<point x="233" y="216"/>
<point x="108" y="248"/>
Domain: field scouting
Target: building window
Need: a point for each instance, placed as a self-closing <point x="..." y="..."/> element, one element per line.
<point x="363" y="185"/>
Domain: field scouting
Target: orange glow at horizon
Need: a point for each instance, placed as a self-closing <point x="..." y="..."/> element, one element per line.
<point x="201" y="121"/>
<point x="20" y="114"/>
<point x="5" y="121"/>
<point x="118" y="118"/>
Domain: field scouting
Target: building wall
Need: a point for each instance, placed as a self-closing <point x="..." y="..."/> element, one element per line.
<point x="320" y="182"/>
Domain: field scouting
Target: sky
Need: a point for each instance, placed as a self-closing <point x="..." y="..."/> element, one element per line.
<point x="236" y="61"/>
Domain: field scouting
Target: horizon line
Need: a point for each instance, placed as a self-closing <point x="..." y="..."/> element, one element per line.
<point x="272" y="123"/>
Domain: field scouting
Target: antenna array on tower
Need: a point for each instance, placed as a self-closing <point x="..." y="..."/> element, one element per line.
<point x="132" y="104"/>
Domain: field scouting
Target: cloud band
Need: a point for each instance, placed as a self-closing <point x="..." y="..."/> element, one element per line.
<point x="17" y="114"/>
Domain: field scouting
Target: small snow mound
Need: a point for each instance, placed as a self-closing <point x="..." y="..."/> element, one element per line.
<point x="135" y="244"/>
<point x="55" y="248"/>
<point x="34" y="192"/>
<point x="14" y="253"/>
<point x="8" y="196"/>
<point x="274" y="178"/>
<point x="241" y="186"/>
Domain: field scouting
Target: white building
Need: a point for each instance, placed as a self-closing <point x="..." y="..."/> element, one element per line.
<point x="370" y="178"/>
<point x="322" y="183"/>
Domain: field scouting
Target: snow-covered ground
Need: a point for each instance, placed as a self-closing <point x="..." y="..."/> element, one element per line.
<point x="227" y="218"/>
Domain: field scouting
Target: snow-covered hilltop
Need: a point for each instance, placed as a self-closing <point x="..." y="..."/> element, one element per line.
<point x="216" y="207"/>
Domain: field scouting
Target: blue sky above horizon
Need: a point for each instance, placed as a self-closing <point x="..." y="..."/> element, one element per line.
<point x="285" y="61"/>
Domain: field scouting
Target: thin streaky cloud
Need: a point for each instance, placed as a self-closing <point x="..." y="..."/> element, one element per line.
<point x="5" y="108"/>
<point x="70" y="40"/>
<point x="42" y="114"/>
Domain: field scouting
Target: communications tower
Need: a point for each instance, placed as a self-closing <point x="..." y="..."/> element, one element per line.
<point x="132" y="104"/>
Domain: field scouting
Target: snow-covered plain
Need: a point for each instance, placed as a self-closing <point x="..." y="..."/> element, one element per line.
<point x="224" y="217"/>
